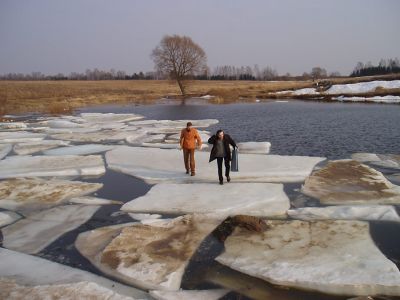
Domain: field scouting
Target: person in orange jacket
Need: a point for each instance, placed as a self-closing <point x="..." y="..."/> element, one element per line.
<point x="189" y="137"/>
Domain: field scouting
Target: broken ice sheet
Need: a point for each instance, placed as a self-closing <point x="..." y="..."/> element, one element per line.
<point x="37" y="231"/>
<point x="148" y="256"/>
<point x="46" y="166"/>
<point x="350" y="182"/>
<point x="257" y="199"/>
<point x="36" y="193"/>
<point x="334" y="257"/>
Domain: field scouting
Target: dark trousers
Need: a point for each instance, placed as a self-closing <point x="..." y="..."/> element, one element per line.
<point x="188" y="157"/>
<point x="227" y="167"/>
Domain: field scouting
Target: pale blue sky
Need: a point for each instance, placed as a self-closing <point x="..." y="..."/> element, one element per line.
<point x="293" y="36"/>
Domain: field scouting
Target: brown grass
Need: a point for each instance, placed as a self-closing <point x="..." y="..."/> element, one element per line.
<point x="64" y="96"/>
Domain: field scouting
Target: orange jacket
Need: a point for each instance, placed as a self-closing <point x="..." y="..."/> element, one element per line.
<point x="188" y="138"/>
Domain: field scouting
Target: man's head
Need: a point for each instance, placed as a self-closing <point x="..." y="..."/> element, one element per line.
<point x="188" y="125"/>
<point x="220" y="134"/>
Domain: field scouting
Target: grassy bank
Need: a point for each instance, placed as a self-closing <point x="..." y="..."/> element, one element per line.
<point x="64" y="96"/>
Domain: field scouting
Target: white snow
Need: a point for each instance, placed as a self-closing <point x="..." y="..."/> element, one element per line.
<point x="256" y="199"/>
<point x="33" y="147"/>
<point x="346" y="212"/>
<point x="335" y="257"/>
<point x="163" y="165"/>
<point x="67" y="165"/>
<point x="305" y="91"/>
<point x="8" y="217"/>
<point x="31" y="270"/>
<point x="79" y="150"/>
<point x="362" y="87"/>
<point x="37" y="231"/>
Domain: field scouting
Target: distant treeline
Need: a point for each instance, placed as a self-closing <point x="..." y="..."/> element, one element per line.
<point x="385" y="66"/>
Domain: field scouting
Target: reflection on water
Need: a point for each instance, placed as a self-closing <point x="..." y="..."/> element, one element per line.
<point x="333" y="130"/>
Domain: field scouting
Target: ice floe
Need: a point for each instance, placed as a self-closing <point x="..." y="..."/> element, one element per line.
<point x="79" y="150"/>
<point x="80" y="290"/>
<point x="62" y="124"/>
<point x="377" y="99"/>
<point x="305" y="91"/>
<point x="139" y="138"/>
<point x="254" y="147"/>
<point x="35" y="193"/>
<point x="93" y="137"/>
<point x="93" y="201"/>
<point x="391" y="161"/>
<point x="160" y="165"/>
<point x="141" y="217"/>
<point x="189" y="294"/>
<point x="67" y="165"/>
<point x="350" y="182"/>
<point x="12" y="125"/>
<point x="8" y="217"/>
<point x="148" y="256"/>
<point x="346" y="212"/>
<point x="20" y="136"/>
<point x="37" y="231"/>
<point x="257" y="199"/>
<point x="4" y="150"/>
<point x="335" y="257"/>
<point x="109" y="117"/>
<point x="33" y="147"/>
<point x="33" y="271"/>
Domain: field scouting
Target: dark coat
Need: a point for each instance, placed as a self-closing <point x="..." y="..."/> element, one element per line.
<point x="227" y="141"/>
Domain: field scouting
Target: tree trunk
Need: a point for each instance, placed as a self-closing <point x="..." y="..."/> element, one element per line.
<point x="181" y="86"/>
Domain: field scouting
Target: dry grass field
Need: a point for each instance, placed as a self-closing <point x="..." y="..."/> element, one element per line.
<point x="64" y="96"/>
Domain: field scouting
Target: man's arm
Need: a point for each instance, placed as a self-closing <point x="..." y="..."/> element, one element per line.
<point x="181" y="139"/>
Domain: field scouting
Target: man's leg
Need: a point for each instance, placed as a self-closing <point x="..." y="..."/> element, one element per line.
<point x="227" y="169"/>
<point x="192" y="162"/>
<point x="219" y="163"/>
<point x="186" y="159"/>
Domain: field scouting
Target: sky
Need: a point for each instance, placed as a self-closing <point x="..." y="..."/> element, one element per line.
<point x="63" y="36"/>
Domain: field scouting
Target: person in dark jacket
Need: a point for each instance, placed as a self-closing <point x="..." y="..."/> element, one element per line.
<point x="221" y="151"/>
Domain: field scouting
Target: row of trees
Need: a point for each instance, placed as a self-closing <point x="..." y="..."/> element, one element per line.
<point x="94" y="74"/>
<point x="385" y="66"/>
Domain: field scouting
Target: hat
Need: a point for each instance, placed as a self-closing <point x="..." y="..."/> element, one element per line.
<point x="189" y="124"/>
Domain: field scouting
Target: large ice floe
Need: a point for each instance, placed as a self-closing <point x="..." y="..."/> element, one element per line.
<point x="33" y="147"/>
<point x="159" y="165"/>
<point x="79" y="150"/>
<point x="346" y="212"/>
<point x="148" y="256"/>
<point x="189" y="294"/>
<point x="93" y="137"/>
<point x="390" y="161"/>
<point x="334" y="257"/>
<point x="4" y="150"/>
<point x="377" y="99"/>
<point x="254" y="147"/>
<point x="12" y="125"/>
<point x="67" y="165"/>
<point x="8" y="217"/>
<point x="257" y="199"/>
<point x="350" y="182"/>
<point x="39" y="230"/>
<point x="36" y="193"/>
<point x="24" y="276"/>
<point x="20" y="136"/>
<point x="109" y="117"/>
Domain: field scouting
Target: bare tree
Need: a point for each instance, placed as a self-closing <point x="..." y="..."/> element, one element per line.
<point x="179" y="58"/>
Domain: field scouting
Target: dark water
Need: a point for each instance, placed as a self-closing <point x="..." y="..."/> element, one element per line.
<point x="332" y="130"/>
